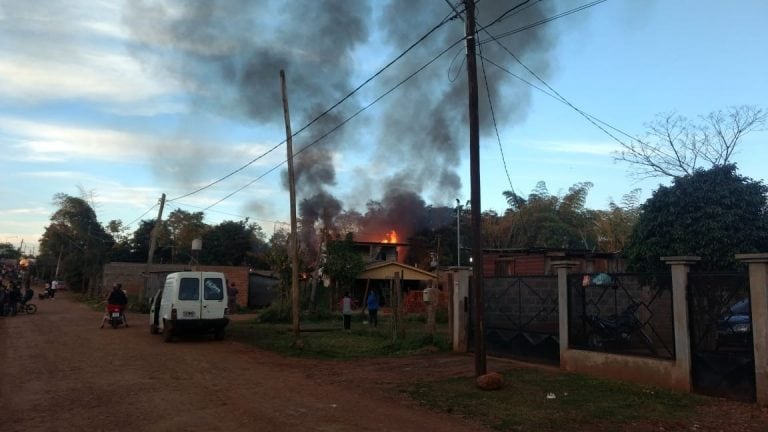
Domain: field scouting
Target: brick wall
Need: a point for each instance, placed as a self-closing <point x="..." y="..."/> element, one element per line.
<point x="131" y="275"/>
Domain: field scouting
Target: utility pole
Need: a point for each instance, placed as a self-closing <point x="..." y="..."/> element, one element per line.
<point x="294" y="244"/>
<point x="474" y="171"/>
<point x="152" y="244"/>
<point x="458" y="232"/>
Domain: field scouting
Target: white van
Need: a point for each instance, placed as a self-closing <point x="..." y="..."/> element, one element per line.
<point x="190" y="301"/>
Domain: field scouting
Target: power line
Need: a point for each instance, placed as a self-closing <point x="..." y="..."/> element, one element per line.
<point x="232" y="214"/>
<point x="142" y="215"/>
<point x="345" y="121"/>
<point x="445" y="20"/>
<point x="493" y="117"/>
<point x="606" y="124"/>
<point x="540" y="22"/>
<point x="556" y="93"/>
<point x="365" y="107"/>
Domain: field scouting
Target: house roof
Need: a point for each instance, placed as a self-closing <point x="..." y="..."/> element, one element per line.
<point x="387" y="269"/>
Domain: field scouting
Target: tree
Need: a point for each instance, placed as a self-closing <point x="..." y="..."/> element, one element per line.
<point x="7" y="250"/>
<point x="343" y="263"/>
<point x="614" y="226"/>
<point x="229" y="243"/>
<point x="184" y="227"/>
<point x="713" y="214"/>
<point x="76" y="234"/>
<point x="545" y="220"/>
<point x="675" y="146"/>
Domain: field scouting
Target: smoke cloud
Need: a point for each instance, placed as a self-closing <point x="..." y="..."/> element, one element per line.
<point x="229" y="55"/>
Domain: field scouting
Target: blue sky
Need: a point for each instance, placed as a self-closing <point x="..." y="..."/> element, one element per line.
<point x="92" y="98"/>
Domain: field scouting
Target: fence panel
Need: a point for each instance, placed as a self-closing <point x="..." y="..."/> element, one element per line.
<point x="722" y="353"/>
<point x="627" y="314"/>
<point x="521" y="318"/>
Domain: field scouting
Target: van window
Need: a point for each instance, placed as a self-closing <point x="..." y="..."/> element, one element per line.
<point x="189" y="289"/>
<point x="214" y="290"/>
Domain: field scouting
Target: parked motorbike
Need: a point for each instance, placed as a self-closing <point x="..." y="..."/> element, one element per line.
<point x="618" y="330"/>
<point x="115" y="314"/>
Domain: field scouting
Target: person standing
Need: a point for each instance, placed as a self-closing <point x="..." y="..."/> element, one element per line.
<point x="232" y="297"/>
<point x="373" y="308"/>
<point x="54" y="287"/>
<point x="346" y="311"/>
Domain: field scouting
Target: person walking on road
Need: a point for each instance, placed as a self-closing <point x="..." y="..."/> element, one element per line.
<point x="373" y="308"/>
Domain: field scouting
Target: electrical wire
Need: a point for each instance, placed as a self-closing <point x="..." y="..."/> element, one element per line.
<point x="142" y="215"/>
<point x="606" y="124"/>
<point x="359" y="111"/>
<point x="540" y="22"/>
<point x="589" y="118"/>
<point x="493" y="117"/>
<point x="232" y="214"/>
<point x="445" y="20"/>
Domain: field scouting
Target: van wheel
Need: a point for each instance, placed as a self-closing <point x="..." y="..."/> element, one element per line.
<point x="218" y="334"/>
<point x="153" y="329"/>
<point x="167" y="333"/>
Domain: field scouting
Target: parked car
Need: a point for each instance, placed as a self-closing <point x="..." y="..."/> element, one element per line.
<point x="735" y="326"/>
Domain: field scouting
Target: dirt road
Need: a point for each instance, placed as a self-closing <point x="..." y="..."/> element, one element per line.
<point x="61" y="372"/>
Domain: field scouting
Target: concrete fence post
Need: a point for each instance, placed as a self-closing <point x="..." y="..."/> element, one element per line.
<point x="758" y="293"/>
<point x="562" y="268"/>
<point x="460" y="302"/>
<point x="680" y="266"/>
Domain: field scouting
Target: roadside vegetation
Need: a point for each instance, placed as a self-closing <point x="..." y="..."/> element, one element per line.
<point x="541" y="400"/>
<point x="325" y="338"/>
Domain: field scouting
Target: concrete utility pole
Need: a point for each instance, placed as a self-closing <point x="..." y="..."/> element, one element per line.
<point x="458" y="232"/>
<point x="152" y="244"/>
<point x="474" y="170"/>
<point x="294" y="244"/>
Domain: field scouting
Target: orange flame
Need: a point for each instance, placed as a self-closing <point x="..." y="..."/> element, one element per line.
<point x="390" y="237"/>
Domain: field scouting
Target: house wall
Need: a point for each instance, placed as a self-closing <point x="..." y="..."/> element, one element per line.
<point x="131" y="275"/>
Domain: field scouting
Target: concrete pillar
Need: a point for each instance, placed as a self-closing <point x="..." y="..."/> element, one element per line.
<point x="758" y="293"/>
<point x="680" y="265"/>
<point x="460" y="294"/>
<point x="562" y="267"/>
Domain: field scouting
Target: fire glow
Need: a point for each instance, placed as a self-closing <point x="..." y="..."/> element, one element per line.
<point x="390" y="237"/>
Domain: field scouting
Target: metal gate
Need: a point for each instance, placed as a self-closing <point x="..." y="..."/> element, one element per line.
<point x="722" y="354"/>
<point x="626" y="314"/>
<point x="521" y="318"/>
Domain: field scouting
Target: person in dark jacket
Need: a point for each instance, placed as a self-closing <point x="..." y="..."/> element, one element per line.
<point x="118" y="298"/>
<point x="373" y="308"/>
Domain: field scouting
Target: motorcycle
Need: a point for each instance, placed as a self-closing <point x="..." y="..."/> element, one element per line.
<point x="115" y="315"/>
<point x="618" y="330"/>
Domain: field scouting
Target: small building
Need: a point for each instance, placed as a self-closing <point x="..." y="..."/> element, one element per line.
<point x="538" y="261"/>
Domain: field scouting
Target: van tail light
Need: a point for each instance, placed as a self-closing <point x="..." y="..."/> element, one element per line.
<point x="173" y="314"/>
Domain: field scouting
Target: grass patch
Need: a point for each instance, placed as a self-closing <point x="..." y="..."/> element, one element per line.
<point x="327" y="340"/>
<point x="580" y="403"/>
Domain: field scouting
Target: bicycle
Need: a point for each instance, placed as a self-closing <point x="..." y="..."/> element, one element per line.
<point x="27" y="308"/>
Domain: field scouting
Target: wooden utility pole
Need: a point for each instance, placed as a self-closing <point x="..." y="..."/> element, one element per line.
<point x="152" y="244"/>
<point x="474" y="171"/>
<point x="294" y="243"/>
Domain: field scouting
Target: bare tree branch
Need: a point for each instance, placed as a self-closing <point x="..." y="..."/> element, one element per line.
<point x="674" y="146"/>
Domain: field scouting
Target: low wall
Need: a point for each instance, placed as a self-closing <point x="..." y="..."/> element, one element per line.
<point x="641" y="370"/>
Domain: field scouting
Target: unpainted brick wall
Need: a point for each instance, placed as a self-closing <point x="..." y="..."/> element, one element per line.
<point x="131" y="276"/>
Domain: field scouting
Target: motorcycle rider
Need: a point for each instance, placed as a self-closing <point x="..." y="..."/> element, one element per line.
<point x="116" y="298"/>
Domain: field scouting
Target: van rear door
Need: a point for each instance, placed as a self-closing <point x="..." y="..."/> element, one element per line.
<point x="189" y="304"/>
<point x="214" y="296"/>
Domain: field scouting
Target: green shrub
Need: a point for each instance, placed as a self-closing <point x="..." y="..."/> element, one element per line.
<point x="276" y="313"/>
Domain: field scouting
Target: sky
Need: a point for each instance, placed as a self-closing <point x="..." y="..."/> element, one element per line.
<point x="125" y="101"/>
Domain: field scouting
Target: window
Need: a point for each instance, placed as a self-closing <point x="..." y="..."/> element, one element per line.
<point x="189" y="289"/>
<point x="214" y="290"/>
